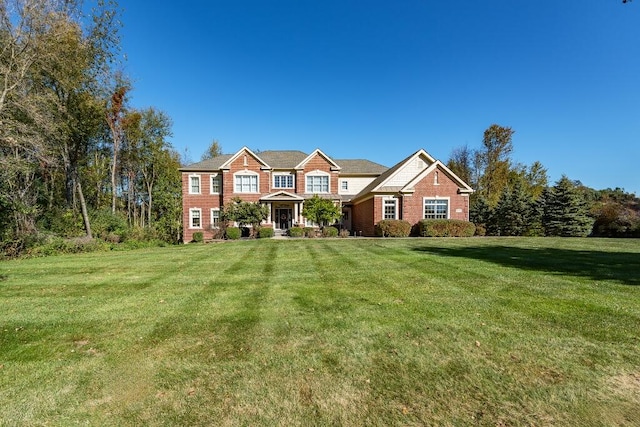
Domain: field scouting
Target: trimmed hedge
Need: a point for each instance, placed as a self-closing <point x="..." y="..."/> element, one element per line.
<point x="445" y="228"/>
<point x="393" y="228"/>
<point x="329" y="232"/>
<point x="198" y="237"/>
<point x="265" y="232"/>
<point x="233" y="233"/>
<point x="296" y="232"/>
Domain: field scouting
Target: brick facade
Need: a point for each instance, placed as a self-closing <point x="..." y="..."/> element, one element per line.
<point x="367" y="208"/>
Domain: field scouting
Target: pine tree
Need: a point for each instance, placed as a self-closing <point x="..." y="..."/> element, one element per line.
<point x="480" y="214"/>
<point x="565" y="211"/>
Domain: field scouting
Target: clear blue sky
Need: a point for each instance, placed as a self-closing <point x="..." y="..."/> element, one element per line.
<point x="381" y="79"/>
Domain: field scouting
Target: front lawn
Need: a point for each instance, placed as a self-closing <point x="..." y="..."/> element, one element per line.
<point x="480" y="331"/>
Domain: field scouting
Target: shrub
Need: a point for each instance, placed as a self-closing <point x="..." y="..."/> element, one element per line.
<point x="198" y="237"/>
<point x="329" y="232"/>
<point x="296" y="232"/>
<point x="265" y="232"/>
<point x="310" y="232"/>
<point x="393" y="228"/>
<point x="445" y="228"/>
<point x="344" y="233"/>
<point x="233" y="233"/>
<point x="104" y="223"/>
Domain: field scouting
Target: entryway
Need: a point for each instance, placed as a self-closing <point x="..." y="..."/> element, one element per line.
<point x="283" y="218"/>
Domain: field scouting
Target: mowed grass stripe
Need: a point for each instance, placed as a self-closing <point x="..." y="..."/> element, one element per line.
<point x="325" y="332"/>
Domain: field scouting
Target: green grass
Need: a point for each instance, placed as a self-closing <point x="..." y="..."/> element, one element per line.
<point x="495" y="332"/>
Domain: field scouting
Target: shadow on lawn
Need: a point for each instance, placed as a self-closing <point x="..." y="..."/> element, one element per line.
<point x="623" y="267"/>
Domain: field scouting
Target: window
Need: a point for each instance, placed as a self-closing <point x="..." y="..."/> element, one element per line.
<point x="246" y="183"/>
<point x="215" y="184"/>
<point x="436" y="208"/>
<point x="194" y="184"/>
<point x="215" y="218"/>
<point x="317" y="184"/>
<point x="195" y="218"/>
<point x="436" y="180"/>
<point x="389" y="209"/>
<point x="344" y="185"/>
<point x="283" y="181"/>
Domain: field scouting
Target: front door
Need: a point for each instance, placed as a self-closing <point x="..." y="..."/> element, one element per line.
<point x="283" y="218"/>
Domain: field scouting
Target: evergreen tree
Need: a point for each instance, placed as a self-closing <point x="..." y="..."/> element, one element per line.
<point x="565" y="211"/>
<point x="480" y="214"/>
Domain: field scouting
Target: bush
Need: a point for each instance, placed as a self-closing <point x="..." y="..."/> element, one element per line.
<point x="445" y="228"/>
<point x="198" y="237"/>
<point x="310" y="232"/>
<point x="329" y="232"/>
<point x="233" y="233"/>
<point x="296" y="232"/>
<point x="265" y="232"/>
<point x="344" y="233"/>
<point x="106" y="224"/>
<point x="393" y="228"/>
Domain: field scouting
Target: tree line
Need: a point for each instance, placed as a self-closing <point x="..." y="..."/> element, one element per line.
<point x="512" y="199"/>
<point x="75" y="158"/>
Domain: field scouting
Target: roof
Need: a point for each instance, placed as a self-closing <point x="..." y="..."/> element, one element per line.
<point x="282" y="159"/>
<point x="209" y="164"/>
<point x="360" y="167"/>
<point x="290" y="159"/>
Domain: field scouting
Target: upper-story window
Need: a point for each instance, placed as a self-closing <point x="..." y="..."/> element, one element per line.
<point x="215" y="183"/>
<point x="194" y="184"/>
<point x="317" y="184"/>
<point x="344" y="184"/>
<point x="283" y="181"/>
<point x="390" y="209"/>
<point x="246" y="183"/>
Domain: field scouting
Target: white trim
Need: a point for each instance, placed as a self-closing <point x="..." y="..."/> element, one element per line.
<point x="195" y="175"/>
<point x="212" y="223"/>
<point x="334" y="165"/>
<point x="317" y="172"/>
<point x="395" y="208"/>
<point x="215" y="177"/>
<point x="246" y="173"/>
<point x="273" y="180"/>
<point x="191" y="211"/>
<point x="463" y="186"/>
<point x="227" y="164"/>
<point x="414" y="157"/>
<point x="436" y="198"/>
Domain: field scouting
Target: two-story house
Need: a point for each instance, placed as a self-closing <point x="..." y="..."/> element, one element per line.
<point x="417" y="187"/>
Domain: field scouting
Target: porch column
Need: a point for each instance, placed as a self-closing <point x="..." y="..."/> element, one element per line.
<point x="296" y="218"/>
<point x="269" y="216"/>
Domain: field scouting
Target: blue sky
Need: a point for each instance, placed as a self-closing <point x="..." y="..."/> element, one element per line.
<point x="379" y="80"/>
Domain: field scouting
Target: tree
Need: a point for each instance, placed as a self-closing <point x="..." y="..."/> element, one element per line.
<point x="246" y="213"/>
<point x="115" y="115"/>
<point x="461" y="163"/>
<point x="321" y="211"/>
<point x="511" y="214"/>
<point x="495" y="159"/>
<point x="565" y="211"/>
<point x="214" y="150"/>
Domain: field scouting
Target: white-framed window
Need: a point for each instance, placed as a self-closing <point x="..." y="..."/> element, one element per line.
<point x="344" y="185"/>
<point x="194" y="184"/>
<point x="215" y="218"/>
<point x="390" y="209"/>
<point x="436" y="178"/>
<point x="436" y="208"/>
<point x="283" y="181"/>
<point x="317" y="184"/>
<point x="195" y="218"/>
<point x="215" y="183"/>
<point x="245" y="183"/>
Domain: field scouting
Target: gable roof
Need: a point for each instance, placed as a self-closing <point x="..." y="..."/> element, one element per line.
<point x="227" y="164"/>
<point x="317" y="151"/>
<point x="384" y="183"/>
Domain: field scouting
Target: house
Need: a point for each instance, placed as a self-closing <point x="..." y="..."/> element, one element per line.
<point x="417" y="187"/>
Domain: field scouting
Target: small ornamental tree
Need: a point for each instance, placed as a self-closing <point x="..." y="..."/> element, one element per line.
<point x="565" y="211"/>
<point x="321" y="211"/>
<point x="246" y="213"/>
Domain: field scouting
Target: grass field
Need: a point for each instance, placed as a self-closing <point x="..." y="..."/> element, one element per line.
<point x="483" y="331"/>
